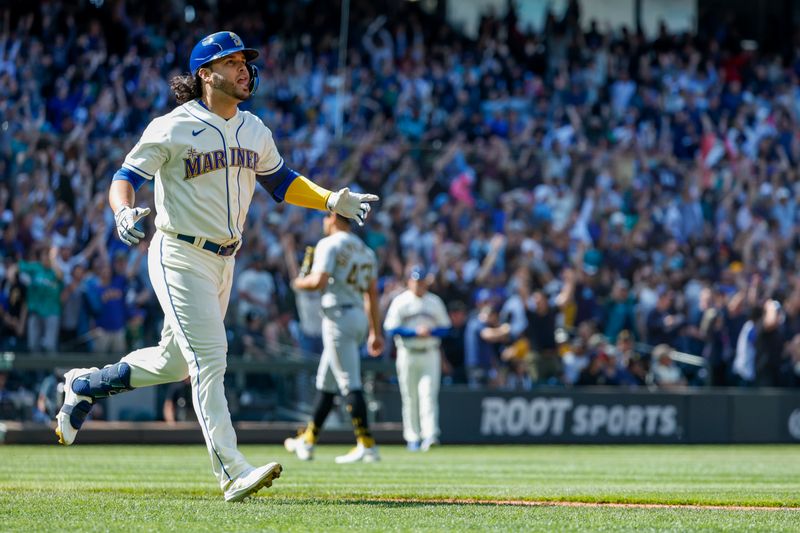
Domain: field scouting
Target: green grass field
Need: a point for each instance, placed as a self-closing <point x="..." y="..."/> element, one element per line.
<point x="167" y="488"/>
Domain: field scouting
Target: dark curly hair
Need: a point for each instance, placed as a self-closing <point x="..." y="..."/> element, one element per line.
<point x="186" y="87"/>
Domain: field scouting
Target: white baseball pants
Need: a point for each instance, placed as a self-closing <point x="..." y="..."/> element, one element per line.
<point x="193" y="287"/>
<point x="419" y="375"/>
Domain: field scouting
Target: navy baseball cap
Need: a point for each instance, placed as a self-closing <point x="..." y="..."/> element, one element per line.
<point x="417" y="272"/>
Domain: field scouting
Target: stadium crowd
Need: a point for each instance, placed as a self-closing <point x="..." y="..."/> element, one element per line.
<point x="588" y="200"/>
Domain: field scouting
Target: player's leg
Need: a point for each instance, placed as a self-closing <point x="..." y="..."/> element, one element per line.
<point x="303" y="444"/>
<point x="82" y="388"/>
<point x="428" y="389"/>
<point x="346" y="331"/>
<point x="327" y="389"/>
<point x="156" y="365"/>
<point x="141" y="368"/>
<point x="191" y="287"/>
<point x="253" y="478"/>
<point x="408" y="397"/>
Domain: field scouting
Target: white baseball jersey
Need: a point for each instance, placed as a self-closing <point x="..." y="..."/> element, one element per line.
<point x="351" y="265"/>
<point x="206" y="167"/>
<point x="407" y="310"/>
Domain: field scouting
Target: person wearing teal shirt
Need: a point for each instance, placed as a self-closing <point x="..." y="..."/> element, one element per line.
<point x="45" y="281"/>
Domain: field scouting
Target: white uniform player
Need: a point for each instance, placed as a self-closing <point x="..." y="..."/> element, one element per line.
<point x="345" y="269"/>
<point x="418" y="319"/>
<point x="204" y="158"/>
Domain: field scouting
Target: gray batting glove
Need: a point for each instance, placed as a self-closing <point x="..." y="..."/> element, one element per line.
<point x="126" y="218"/>
<point x="351" y="204"/>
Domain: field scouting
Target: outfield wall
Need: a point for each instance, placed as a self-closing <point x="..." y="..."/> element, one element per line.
<point x="613" y="416"/>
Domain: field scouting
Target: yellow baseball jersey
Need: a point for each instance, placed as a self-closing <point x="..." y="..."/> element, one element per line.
<point x="204" y="168"/>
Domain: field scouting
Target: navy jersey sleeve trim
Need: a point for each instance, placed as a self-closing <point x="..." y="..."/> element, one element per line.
<point x="126" y="174"/>
<point x="138" y="170"/>
<point x="278" y="182"/>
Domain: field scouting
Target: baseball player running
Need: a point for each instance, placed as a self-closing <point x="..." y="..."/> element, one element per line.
<point x="205" y="158"/>
<point x="345" y="270"/>
<point x="418" y="319"/>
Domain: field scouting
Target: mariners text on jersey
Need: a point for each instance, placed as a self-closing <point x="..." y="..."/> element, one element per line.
<point x="199" y="163"/>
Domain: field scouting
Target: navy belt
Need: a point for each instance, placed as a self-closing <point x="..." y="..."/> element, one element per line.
<point x="214" y="248"/>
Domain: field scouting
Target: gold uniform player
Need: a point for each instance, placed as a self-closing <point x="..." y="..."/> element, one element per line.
<point x="345" y="270"/>
<point x="205" y="158"/>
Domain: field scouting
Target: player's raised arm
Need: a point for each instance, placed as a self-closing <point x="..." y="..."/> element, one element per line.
<point x="284" y="183"/>
<point x="303" y="192"/>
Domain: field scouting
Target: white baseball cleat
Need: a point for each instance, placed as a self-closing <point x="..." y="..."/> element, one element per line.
<point x="74" y="410"/>
<point x="428" y="443"/>
<point x="360" y="453"/>
<point x="298" y="446"/>
<point x="251" y="481"/>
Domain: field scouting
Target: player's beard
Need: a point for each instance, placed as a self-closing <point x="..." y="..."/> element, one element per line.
<point x="230" y="88"/>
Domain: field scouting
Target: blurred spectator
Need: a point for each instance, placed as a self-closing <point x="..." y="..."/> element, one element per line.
<point x="106" y="296"/>
<point x="744" y="363"/>
<point x="72" y="300"/>
<point x="541" y="334"/>
<point x="278" y="333"/>
<point x="662" y="323"/>
<point x="44" y="283"/>
<point x="769" y="346"/>
<point x="8" y="409"/>
<point x="13" y="310"/>
<point x="453" y="347"/>
<point x="254" y="340"/>
<point x="665" y="373"/>
<point x="618" y="313"/>
<point x="480" y="355"/>
<point x="256" y="288"/>
<point x="48" y="399"/>
<point x="177" y="405"/>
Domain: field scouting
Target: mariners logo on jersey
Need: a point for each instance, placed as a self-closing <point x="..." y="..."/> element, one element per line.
<point x="199" y="163"/>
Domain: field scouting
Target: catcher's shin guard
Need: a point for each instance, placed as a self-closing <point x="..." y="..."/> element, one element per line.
<point x="103" y="383"/>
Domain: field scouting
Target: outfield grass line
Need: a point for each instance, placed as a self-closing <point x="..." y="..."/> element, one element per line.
<point x="563" y="503"/>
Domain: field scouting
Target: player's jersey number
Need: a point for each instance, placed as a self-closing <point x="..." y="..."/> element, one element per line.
<point x="360" y="276"/>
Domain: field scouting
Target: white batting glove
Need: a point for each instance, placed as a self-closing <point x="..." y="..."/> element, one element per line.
<point x="351" y="204"/>
<point x="126" y="218"/>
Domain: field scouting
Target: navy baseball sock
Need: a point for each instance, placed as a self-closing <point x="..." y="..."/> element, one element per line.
<point x="322" y="409"/>
<point x="357" y="408"/>
<point x="105" y="382"/>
